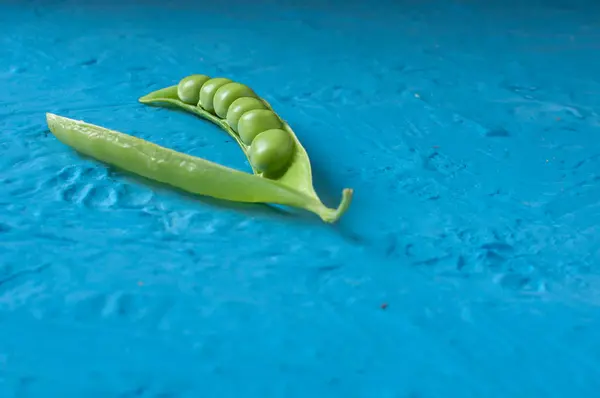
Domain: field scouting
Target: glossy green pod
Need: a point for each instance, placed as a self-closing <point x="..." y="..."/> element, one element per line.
<point x="192" y="174"/>
<point x="297" y="175"/>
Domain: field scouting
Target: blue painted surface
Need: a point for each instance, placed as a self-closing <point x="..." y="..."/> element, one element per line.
<point x="468" y="131"/>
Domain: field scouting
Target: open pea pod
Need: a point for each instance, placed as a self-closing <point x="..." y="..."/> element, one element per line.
<point x="271" y="146"/>
<point x="189" y="173"/>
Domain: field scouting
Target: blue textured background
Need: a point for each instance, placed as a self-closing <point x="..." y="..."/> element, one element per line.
<point x="469" y="131"/>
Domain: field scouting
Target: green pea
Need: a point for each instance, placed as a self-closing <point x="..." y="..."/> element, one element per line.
<point x="208" y="90"/>
<point x="256" y="121"/>
<point x="228" y="93"/>
<point x="241" y="106"/>
<point x="188" y="89"/>
<point x="271" y="151"/>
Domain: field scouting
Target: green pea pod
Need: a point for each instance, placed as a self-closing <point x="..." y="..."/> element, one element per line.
<point x="189" y="173"/>
<point x="297" y="176"/>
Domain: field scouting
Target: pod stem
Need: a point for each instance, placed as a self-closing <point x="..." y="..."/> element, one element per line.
<point x="332" y="215"/>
